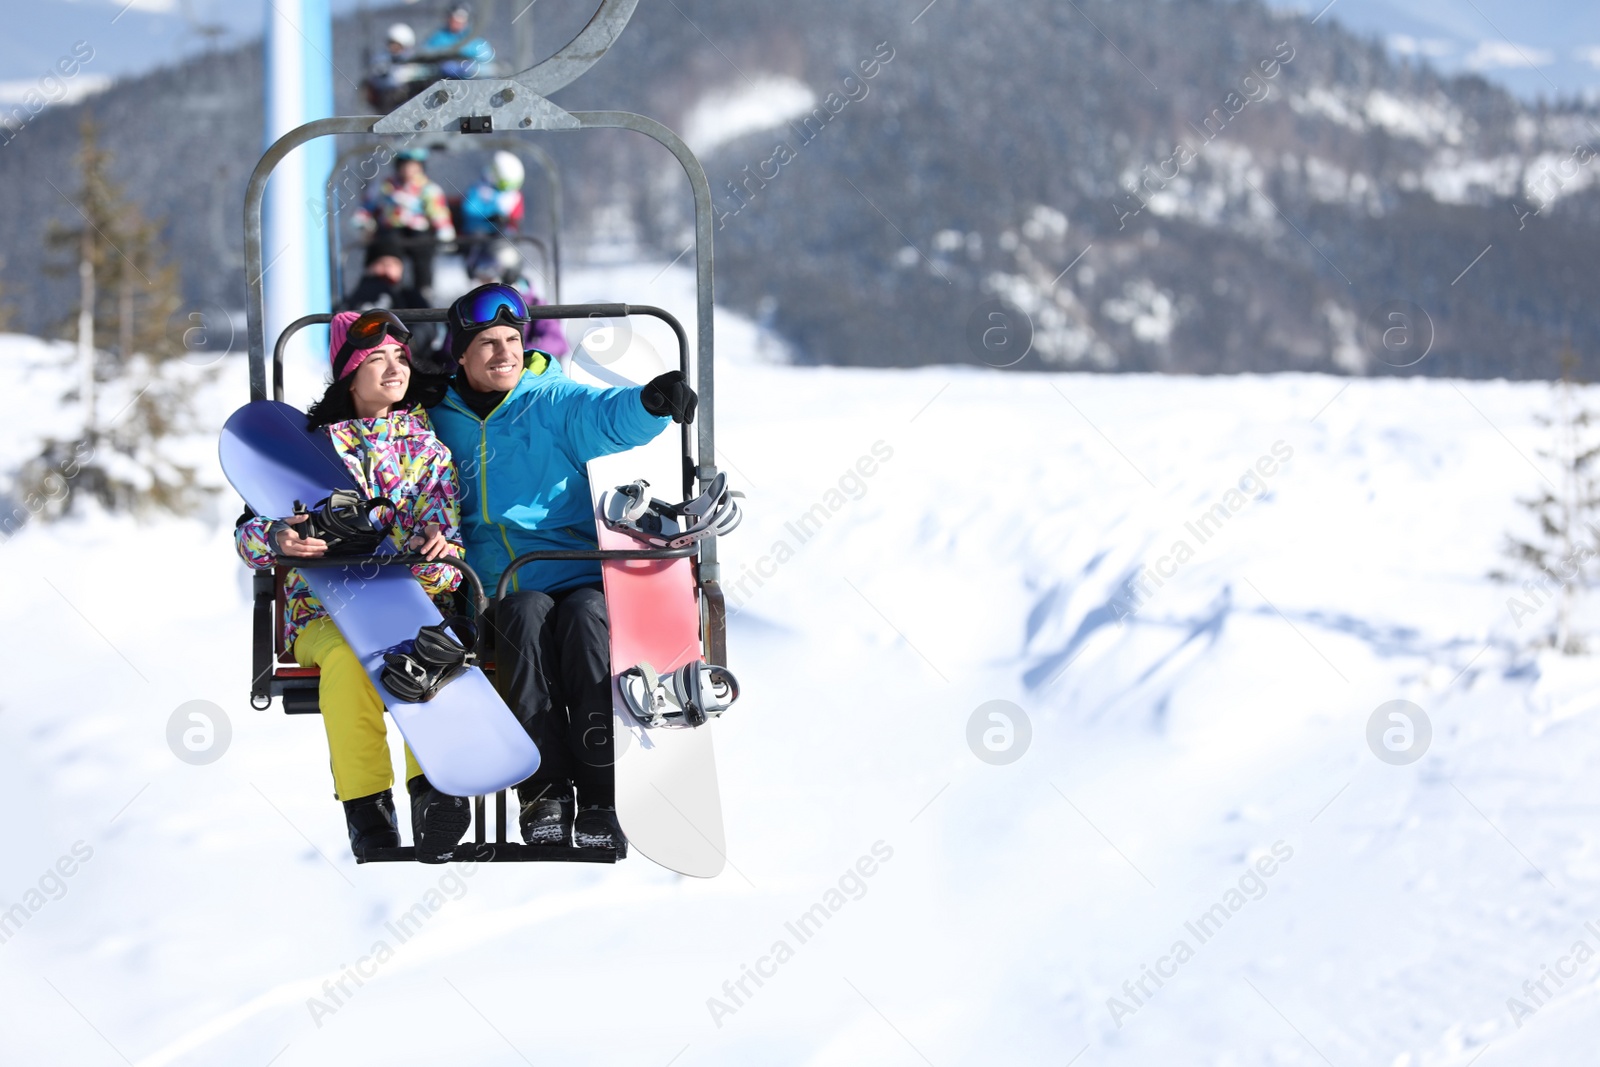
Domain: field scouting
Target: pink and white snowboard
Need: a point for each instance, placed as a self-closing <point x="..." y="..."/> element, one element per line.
<point x="667" y="797"/>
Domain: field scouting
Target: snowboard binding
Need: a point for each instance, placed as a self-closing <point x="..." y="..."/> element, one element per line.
<point x="630" y="510"/>
<point x="345" y="521"/>
<point x="690" y="696"/>
<point x="436" y="655"/>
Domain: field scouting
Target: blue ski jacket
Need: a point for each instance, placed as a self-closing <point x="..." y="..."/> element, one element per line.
<point x="521" y="474"/>
<point x="486" y="210"/>
<point x="464" y="44"/>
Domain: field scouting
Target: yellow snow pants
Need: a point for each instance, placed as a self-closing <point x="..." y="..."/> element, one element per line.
<point x="352" y="713"/>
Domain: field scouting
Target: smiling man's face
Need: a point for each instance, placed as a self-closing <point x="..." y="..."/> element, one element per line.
<point x="493" y="360"/>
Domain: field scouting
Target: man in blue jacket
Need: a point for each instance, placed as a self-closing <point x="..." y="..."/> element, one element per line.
<point x="463" y="52"/>
<point x="521" y="433"/>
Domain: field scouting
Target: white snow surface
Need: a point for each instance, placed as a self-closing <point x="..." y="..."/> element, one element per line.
<point x="767" y="102"/>
<point x="1551" y="160"/>
<point x="58" y="91"/>
<point x="1168" y="752"/>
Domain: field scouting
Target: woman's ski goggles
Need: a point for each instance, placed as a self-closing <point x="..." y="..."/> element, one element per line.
<point x="370" y="331"/>
<point x="487" y="306"/>
<point x="373" y="326"/>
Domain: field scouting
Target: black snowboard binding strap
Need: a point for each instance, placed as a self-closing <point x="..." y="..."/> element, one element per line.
<point x="690" y="696"/>
<point x="415" y="671"/>
<point x="631" y="510"/>
<point x="344" y="519"/>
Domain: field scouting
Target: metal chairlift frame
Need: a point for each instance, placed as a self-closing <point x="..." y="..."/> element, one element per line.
<point x="472" y="109"/>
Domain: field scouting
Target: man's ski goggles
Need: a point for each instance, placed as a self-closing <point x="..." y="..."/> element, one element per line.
<point x="487" y="306"/>
<point x="369" y="331"/>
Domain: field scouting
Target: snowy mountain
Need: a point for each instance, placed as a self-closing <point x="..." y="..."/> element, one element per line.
<point x="1187" y="734"/>
<point x="1551" y="54"/>
<point x="1167" y="185"/>
<point x="1216" y="189"/>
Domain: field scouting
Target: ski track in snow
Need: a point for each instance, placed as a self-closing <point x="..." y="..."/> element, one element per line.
<point x="981" y="561"/>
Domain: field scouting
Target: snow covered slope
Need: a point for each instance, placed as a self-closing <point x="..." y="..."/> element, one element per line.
<point x="918" y="544"/>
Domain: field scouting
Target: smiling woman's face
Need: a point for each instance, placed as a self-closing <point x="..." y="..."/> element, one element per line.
<point x="493" y="360"/>
<point x="380" y="382"/>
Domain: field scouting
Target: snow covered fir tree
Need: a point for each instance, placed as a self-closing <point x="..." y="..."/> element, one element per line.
<point x="1555" y="564"/>
<point x="132" y="384"/>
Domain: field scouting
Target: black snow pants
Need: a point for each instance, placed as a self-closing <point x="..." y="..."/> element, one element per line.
<point x="419" y="247"/>
<point x="552" y="667"/>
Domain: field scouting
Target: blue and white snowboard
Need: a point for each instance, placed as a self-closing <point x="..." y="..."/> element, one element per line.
<point x="465" y="739"/>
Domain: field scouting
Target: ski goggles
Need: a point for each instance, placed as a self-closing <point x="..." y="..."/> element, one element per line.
<point x="489" y="305"/>
<point x="369" y="331"/>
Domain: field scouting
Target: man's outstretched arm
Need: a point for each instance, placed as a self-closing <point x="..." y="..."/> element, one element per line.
<point x="599" y="422"/>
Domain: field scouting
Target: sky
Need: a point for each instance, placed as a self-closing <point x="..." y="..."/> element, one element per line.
<point x="126" y="37"/>
<point x="1532" y="47"/>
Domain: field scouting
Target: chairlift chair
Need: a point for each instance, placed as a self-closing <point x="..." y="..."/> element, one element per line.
<point x="465" y="112"/>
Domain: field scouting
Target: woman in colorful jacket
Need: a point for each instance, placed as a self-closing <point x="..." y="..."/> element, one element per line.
<point x="371" y="413"/>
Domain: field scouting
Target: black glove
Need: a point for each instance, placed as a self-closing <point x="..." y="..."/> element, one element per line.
<point x="669" y="394"/>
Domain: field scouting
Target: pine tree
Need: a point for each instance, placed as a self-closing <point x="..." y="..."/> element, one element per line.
<point x="8" y="311"/>
<point x="134" y="397"/>
<point x="1561" y="554"/>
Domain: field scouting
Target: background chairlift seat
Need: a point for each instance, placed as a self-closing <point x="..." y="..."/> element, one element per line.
<point x="541" y="254"/>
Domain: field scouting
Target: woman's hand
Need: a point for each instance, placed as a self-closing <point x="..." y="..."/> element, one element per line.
<point x="430" y="542"/>
<point x="293" y="544"/>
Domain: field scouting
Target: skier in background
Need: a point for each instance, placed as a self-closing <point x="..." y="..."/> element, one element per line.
<point x="490" y="211"/>
<point x="382" y="285"/>
<point x="388" y="83"/>
<point x="531" y="430"/>
<point x="463" y="55"/>
<point x="409" y="209"/>
<point x="372" y="414"/>
<point x="493" y="205"/>
<point x="401" y="43"/>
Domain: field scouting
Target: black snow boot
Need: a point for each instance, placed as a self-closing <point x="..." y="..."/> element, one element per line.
<point x="597" y="827"/>
<point x="371" y="822"/>
<point x="438" y="821"/>
<point x="547" y="812"/>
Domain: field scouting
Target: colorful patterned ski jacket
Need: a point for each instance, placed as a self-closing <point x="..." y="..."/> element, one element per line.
<point x="417" y="208"/>
<point x="395" y="456"/>
<point x="523" y="480"/>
